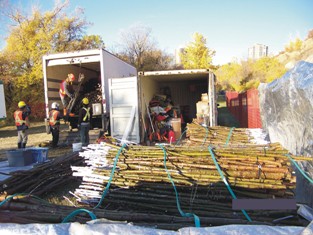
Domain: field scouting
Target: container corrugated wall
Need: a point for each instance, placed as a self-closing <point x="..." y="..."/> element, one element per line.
<point x="245" y="107"/>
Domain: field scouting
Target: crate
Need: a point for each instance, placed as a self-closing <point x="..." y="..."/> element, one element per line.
<point x="96" y="109"/>
<point x="77" y="147"/>
<point x="39" y="154"/>
<point x="19" y="157"/>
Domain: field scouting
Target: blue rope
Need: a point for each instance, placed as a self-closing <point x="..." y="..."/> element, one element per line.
<point x="111" y="176"/>
<point x="301" y="171"/>
<point x="12" y="196"/>
<point x="229" y="135"/>
<point x="92" y="215"/>
<point x="196" y="218"/>
<point x="76" y="212"/>
<point x="21" y="194"/>
<point x="226" y="183"/>
<point x="206" y="135"/>
<point x="180" y="137"/>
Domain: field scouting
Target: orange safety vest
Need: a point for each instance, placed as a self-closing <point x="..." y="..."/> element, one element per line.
<point x="62" y="89"/>
<point x="19" y="121"/>
<point x="53" y="115"/>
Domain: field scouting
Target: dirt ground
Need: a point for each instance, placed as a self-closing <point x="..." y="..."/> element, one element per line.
<point x="37" y="135"/>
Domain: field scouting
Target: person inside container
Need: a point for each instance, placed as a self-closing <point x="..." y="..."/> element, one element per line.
<point x="66" y="90"/>
<point x="84" y="118"/>
<point x="54" y="123"/>
<point x="22" y="123"/>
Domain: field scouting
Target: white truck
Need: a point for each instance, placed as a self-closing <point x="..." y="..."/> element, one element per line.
<point x="3" y="113"/>
<point x="97" y="67"/>
<point x="125" y="94"/>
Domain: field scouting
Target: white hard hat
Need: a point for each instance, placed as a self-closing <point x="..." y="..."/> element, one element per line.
<point x="55" y="105"/>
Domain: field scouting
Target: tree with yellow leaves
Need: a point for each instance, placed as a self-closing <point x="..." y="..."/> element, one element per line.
<point x="196" y="55"/>
<point x="249" y="74"/>
<point x="30" y="37"/>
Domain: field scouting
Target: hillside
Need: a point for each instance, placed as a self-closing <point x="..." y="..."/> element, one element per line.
<point x="289" y="59"/>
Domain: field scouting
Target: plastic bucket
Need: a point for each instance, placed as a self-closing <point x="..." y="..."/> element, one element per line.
<point x="19" y="157"/>
<point x="176" y="125"/>
<point x="40" y="154"/>
<point x="77" y="147"/>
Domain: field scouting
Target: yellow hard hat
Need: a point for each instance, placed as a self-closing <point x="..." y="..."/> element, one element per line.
<point x="21" y="104"/>
<point x="85" y="101"/>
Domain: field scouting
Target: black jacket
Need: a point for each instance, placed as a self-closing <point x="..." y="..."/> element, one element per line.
<point x="82" y="115"/>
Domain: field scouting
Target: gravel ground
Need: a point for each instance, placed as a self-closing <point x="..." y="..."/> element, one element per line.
<point x="37" y="135"/>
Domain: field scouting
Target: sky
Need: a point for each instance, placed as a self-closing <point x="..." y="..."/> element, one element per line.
<point x="229" y="26"/>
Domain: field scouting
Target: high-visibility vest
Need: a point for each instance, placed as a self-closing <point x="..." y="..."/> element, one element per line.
<point x="18" y="117"/>
<point x="87" y="115"/>
<point x="53" y="115"/>
<point x="62" y="88"/>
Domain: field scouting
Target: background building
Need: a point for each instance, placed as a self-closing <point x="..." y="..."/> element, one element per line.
<point x="177" y="55"/>
<point x="257" y="51"/>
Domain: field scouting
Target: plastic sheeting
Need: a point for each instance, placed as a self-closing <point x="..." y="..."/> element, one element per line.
<point x="286" y="106"/>
<point x="97" y="227"/>
<point x="6" y="170"/>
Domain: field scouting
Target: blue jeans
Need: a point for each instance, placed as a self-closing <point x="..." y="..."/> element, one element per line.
<point x="84" y="134"/>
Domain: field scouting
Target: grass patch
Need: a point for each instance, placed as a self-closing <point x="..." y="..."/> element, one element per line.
<point x="225" y="118"/>
<point x="61" y="195"/>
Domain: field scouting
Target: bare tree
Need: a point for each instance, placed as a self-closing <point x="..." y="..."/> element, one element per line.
<point x="137" y="42"/>
<point x="140" y="49"/>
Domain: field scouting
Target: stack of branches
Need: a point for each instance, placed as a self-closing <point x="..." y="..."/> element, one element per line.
<point x="142" y="193"/>
<point x="141" y="184"/>
<point x="94" y="97"/>
<point x="43" y="178"/>
<point x="220" y="136"/>
<point x="24" y="210"/>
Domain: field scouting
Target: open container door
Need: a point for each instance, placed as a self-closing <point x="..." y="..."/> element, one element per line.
<point x="124" y="117"/>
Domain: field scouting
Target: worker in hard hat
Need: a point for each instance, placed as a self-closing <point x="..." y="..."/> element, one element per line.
<point x="66" y="90"/>
<point x="54" y="123"/>
<point x="84" y="118"/>
<point x="22" y="123"/>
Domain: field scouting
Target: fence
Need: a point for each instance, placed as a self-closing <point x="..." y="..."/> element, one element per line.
<point x="245" y="107"/>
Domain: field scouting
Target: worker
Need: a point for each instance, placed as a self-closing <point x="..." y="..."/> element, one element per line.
<point x="66" y="91"/>
<point x="54" y="123"/>
<point x="84" y="117"/>
<point x="22" y="123"/>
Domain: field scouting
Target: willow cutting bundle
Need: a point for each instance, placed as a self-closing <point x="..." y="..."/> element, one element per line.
<point x="220" y="136"/>
<point x="141" y="182"/>
<point x="141" y="192"/>
<point x="41" y="179"/>
<point x="24" y="210"/>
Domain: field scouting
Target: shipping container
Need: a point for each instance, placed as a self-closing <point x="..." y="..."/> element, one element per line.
<point x="130" y="98"/>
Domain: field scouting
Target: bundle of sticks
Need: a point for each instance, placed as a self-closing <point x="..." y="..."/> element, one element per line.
<point x="141" y="191"/>
<point x="141" y="183"/>
<point x="41" y="179"/>
<point x="221" y="136"/>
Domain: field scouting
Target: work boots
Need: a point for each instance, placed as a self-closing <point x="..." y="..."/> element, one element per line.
<point x="19" y="145"/>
